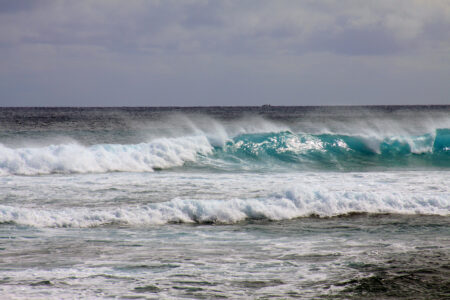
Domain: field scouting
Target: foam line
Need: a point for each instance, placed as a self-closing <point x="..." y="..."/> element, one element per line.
<point x="291" y="204"/>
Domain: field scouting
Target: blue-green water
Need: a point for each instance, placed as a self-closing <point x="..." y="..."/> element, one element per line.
<point x="237" y="202"/>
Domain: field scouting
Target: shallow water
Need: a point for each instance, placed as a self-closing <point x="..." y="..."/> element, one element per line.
<point x="343" y="256"/>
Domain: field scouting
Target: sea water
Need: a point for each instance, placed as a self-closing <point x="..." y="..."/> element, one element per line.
<point x="225" y="202"/>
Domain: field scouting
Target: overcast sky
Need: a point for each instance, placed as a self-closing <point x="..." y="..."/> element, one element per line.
<point x="247" y="52"/>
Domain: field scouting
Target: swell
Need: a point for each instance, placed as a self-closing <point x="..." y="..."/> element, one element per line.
<point x="294" y="203"/>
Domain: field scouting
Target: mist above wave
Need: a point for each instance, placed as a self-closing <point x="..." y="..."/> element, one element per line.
<point x="89" y="126"/>
<point x="95" y="141"/>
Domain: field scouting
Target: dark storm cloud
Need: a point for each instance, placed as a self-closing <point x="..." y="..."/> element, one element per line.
<point x="249" y="51"/>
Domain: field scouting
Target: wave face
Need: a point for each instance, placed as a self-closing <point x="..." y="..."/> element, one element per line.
<point x="339" y="152"/>
<point x="293" y="203"/>
<point x="48" y="141"/>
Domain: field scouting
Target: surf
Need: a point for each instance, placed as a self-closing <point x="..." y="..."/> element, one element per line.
<point x="102" y="158"/>
<point x="282" y="150"/>
<point x="290" y="204"/>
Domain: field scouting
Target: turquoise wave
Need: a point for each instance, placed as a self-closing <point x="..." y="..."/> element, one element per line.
<point x="332" y="151"/>
<point x="270" y="151"/>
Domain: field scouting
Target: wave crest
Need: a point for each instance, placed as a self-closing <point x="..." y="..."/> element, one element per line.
<point x="73" y="158"/>
<point x="248" y="151"/>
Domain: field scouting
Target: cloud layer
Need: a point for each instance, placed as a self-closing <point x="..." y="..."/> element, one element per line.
<point x="224" y="52"/>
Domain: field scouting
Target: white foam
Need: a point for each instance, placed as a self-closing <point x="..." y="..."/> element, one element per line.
<point x="301" y="145"/>
<point x="74" y="158"/>
<point x="291" y="204"/>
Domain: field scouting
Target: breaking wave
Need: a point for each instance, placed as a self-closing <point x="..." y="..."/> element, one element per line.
<point x="72" y="158"/>
<point x="339" y="152"/>
<point x="291" y="204"/>
<point x="248" y="151"/>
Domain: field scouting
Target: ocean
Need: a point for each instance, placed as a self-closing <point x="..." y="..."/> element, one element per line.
<point x="225" y="202"/>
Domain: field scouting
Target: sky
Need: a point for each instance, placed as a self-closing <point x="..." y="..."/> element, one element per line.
<point x="224" y="52"/>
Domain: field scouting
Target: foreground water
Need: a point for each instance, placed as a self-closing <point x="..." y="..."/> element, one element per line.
<point x="225" y="202"/>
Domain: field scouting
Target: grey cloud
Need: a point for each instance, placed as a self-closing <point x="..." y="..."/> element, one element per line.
<point x="223" y="52"/>
<point x="217" y="27"/>
<point x="368" y="41"/>
<point x="15" y="6"/>
<point x="437" y="31"/>
<point x="209" y="14"/>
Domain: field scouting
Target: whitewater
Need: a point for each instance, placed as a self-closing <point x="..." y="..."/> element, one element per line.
<point x="234" y="202"/>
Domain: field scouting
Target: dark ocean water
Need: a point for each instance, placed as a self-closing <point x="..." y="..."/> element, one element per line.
<point x="225" y="202"/>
